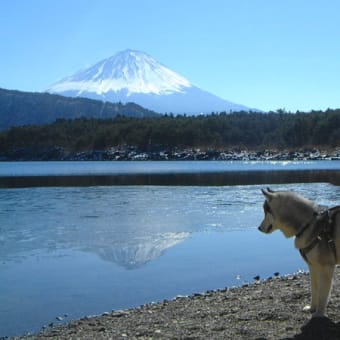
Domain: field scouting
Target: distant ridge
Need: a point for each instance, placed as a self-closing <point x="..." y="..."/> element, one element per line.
<point x="134" y="76"/>
<point x="27" y="108"/>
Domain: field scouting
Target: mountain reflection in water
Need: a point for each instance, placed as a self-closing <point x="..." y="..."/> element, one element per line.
<point x="87" y="250"/>
<point x="135" y="253"/>
<point x="125" y="225"/>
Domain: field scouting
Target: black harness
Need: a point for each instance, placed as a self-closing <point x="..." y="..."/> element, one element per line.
<point x="324" y="230"/>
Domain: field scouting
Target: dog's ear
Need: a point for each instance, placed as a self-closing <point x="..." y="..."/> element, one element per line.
<point x="268" y="194"/>
<point x="270" y="190"/>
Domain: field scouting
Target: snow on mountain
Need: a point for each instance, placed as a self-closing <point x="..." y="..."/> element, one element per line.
<point x="134" y="76"/>
<point x="133" y="71"/>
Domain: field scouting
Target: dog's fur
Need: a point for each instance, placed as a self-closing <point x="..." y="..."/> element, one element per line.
<point x="297" y="216"/>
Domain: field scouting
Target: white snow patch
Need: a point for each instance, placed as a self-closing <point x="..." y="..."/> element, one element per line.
<point x="132" y="71"/>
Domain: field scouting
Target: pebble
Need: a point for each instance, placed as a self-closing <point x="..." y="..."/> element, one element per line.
<point x="199" y="294"/>
<point x="306" y="309"/>
<point x="119" y="313"/>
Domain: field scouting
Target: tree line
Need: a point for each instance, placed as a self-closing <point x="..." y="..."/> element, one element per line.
<point x="273" y="130"/>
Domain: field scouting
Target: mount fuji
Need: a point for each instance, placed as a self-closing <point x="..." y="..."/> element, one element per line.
<point x="134" y="76"/>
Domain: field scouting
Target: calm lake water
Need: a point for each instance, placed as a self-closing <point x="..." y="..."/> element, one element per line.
<point x="149" y="167"/>
<point x="70" y="251"/>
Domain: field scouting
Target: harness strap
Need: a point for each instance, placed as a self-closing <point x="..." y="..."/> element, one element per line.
<point x="306" y="250"/>
<point x="326" y="224"/>
<point x="303" y="229"/>
<point x="333" y="211"/>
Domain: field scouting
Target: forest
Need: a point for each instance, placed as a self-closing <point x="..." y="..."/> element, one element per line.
<point x="19" y="108"/>
<point x="274" y="130"/>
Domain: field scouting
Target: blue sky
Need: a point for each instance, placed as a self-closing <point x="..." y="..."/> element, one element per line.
<point x="267" y="54"/>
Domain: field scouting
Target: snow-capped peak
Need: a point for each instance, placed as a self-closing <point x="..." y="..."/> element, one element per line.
<point x="129" y="71"/>
<point x="133" y="76"/>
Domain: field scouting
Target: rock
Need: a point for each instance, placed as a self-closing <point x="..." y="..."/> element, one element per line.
<point x="119" y="313"/>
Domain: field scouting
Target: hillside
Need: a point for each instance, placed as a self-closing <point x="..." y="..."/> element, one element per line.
<point x="19" y="108"/>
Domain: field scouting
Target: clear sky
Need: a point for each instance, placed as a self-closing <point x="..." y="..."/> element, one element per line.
<point x="266" y="54"/>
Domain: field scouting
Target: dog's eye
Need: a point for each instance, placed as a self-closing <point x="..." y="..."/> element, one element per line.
<point x="266" y="208"/>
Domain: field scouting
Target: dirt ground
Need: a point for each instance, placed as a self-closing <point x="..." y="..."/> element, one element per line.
<point x="270" y="309"/>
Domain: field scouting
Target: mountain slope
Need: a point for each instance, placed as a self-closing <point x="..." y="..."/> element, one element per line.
<point x="133" y="76"/>
<point x="25" y="108"/>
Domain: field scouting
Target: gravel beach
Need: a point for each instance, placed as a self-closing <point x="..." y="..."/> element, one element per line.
<point x="269" y="309"/>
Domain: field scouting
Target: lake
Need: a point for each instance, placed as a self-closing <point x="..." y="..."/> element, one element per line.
<point x="209" y="173"/>
<point x="70" y="251"/>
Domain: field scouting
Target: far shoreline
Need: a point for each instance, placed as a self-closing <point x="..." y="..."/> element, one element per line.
<point x="226" y="178"/>
<point x="130" y="153"/>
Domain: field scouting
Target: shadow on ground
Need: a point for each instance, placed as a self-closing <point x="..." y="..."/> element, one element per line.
<point x="318" y="329"/>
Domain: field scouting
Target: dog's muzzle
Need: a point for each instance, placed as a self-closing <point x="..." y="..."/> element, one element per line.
<point x="268" y="230"/>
